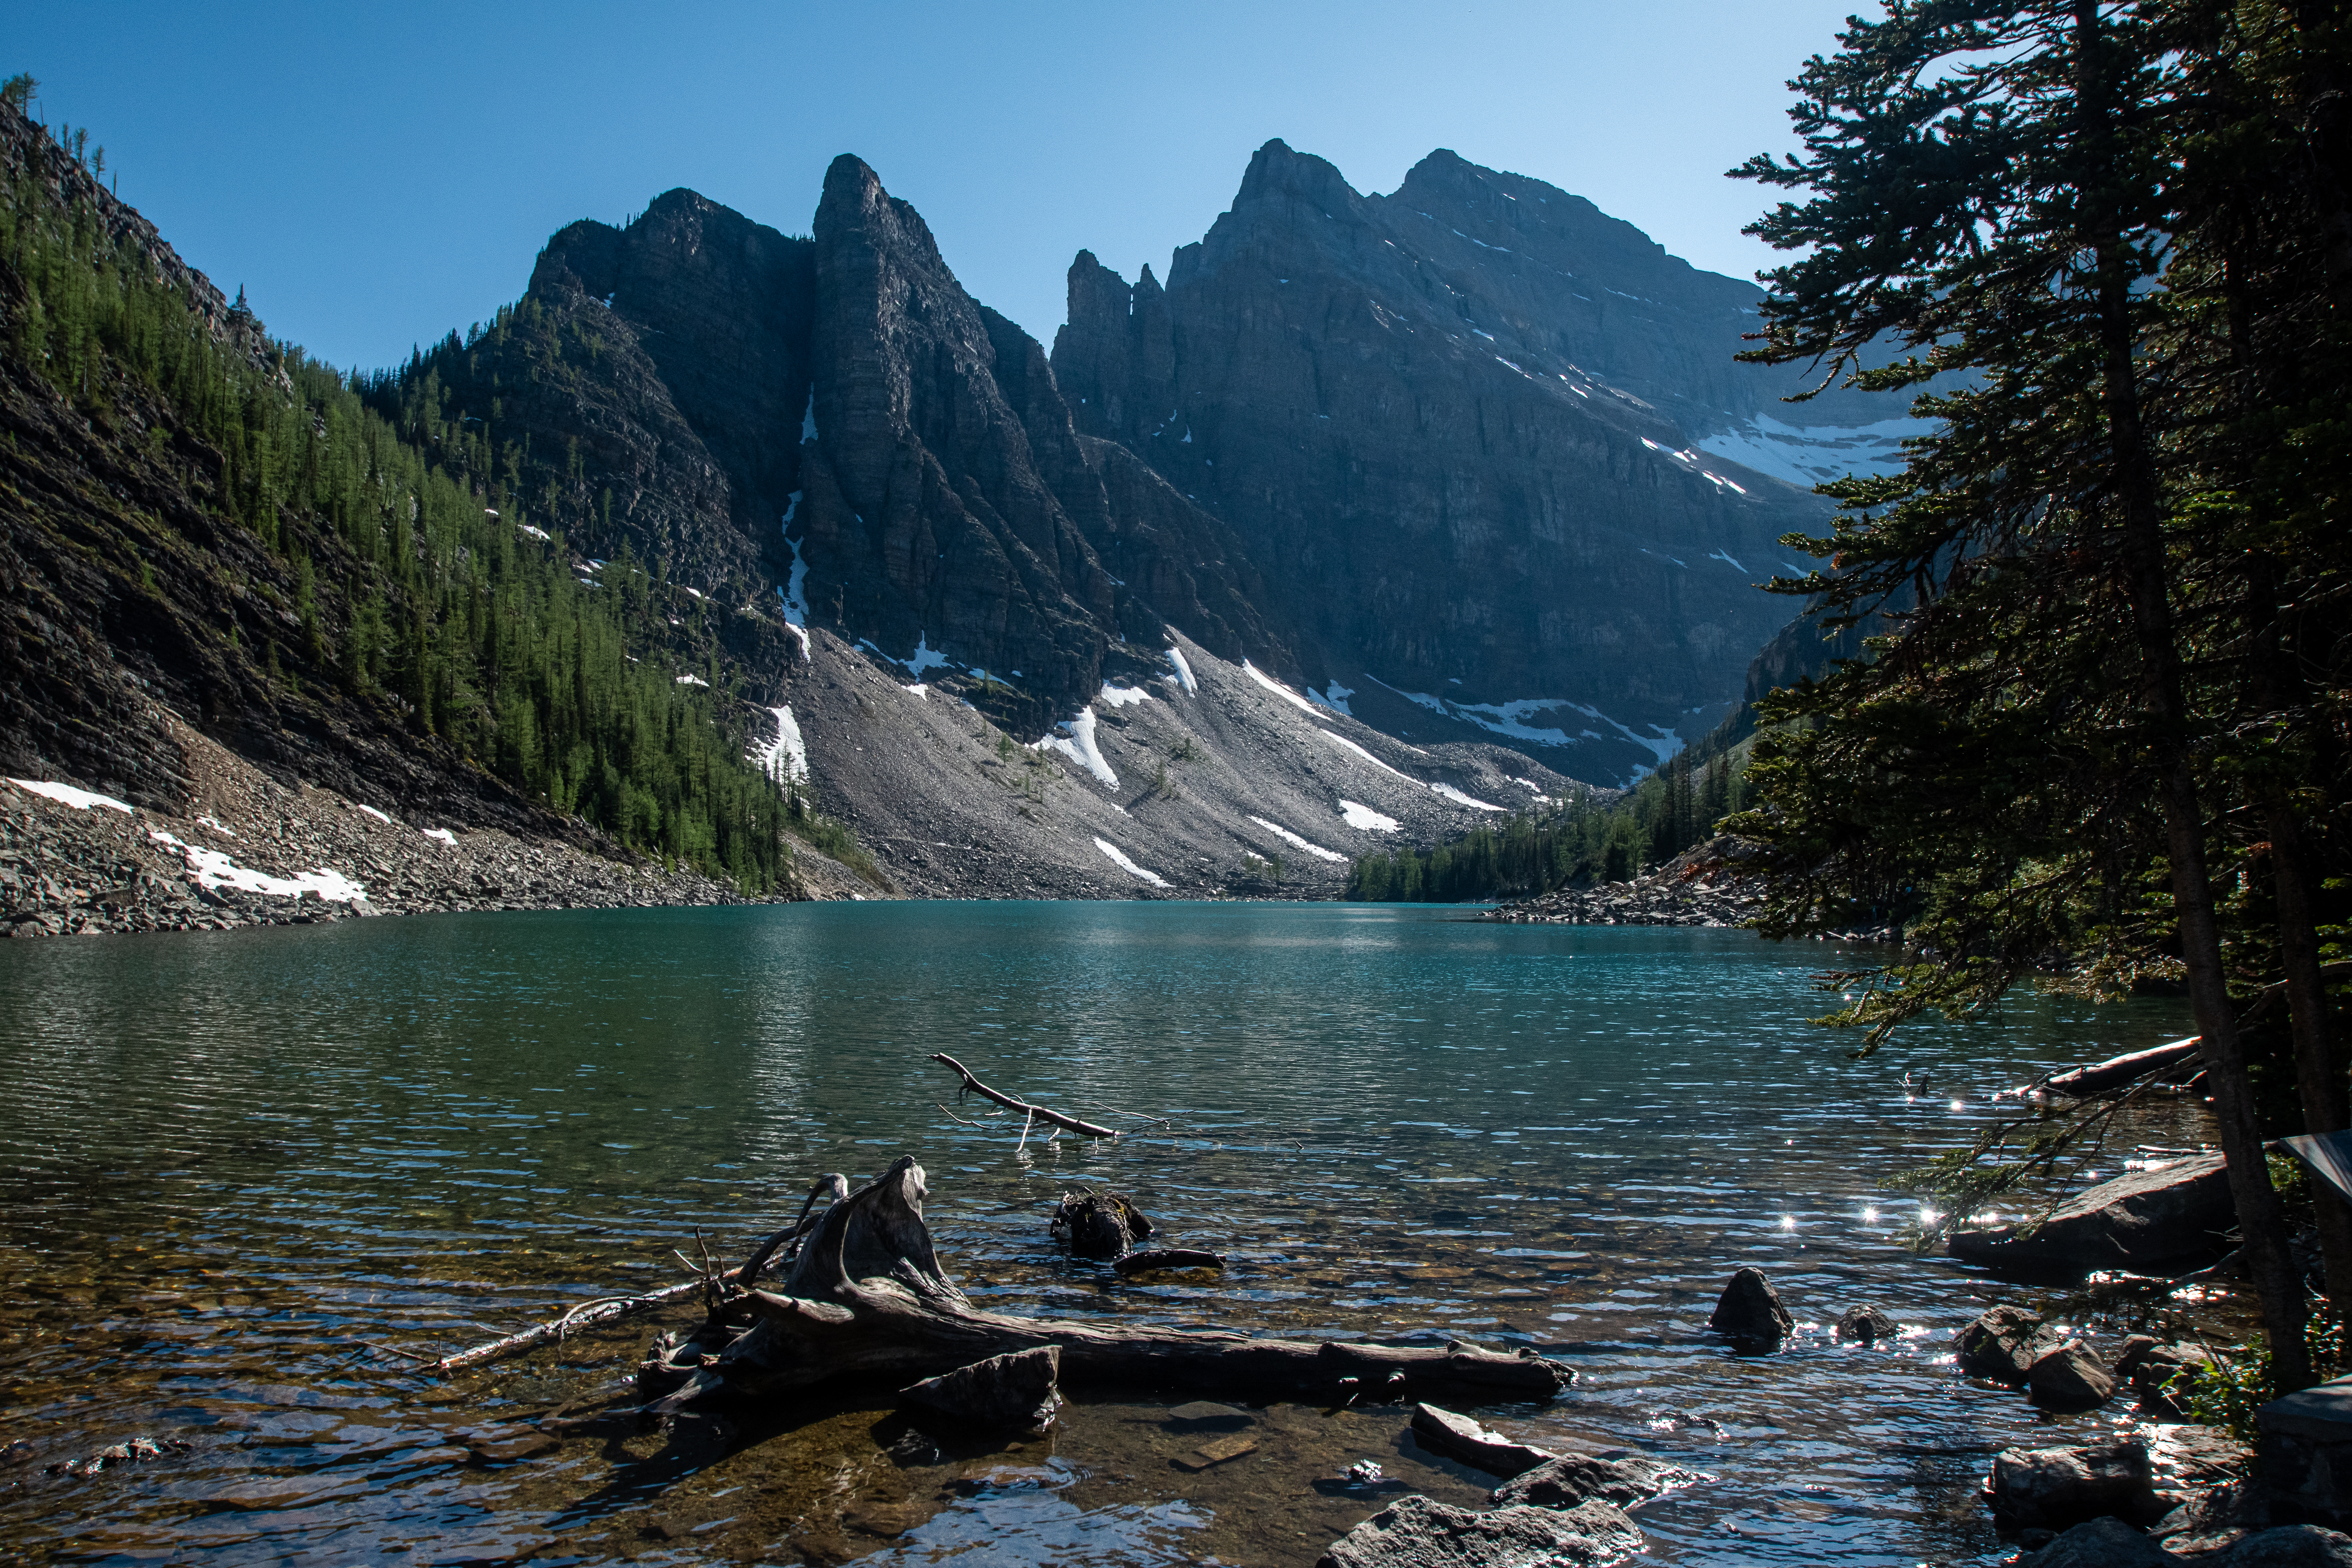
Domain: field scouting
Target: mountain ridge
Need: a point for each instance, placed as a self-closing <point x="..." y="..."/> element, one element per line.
<point x="780" y="461"/>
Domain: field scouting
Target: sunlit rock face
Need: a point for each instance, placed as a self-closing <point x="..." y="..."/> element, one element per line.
<point x="1489" y="448"/>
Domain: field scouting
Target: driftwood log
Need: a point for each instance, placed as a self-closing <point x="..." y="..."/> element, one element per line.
<point x="2083" y="1082"/>
<point x="866" y="1299"/>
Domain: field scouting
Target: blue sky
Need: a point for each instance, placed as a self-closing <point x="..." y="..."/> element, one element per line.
<point x="376" y="175"/>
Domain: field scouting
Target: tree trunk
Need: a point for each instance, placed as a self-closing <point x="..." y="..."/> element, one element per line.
<point x="2132" y="472"/>
<point x="2294" y="885"/>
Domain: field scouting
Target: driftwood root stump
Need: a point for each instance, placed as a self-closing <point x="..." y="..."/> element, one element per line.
<point x="866" y="1299"/>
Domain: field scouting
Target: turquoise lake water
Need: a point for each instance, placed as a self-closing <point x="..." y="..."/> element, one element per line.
<point x="242" y="1171"/>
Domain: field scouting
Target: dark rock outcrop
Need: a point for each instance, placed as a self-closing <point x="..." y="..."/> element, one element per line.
<point x="2288" y="1546"/>
<point x="2306" y="1439"/>
<point x="1417" y="1533"/>
<point x="2172" y="1217"/>
<point x="2102" y="1543"/>
<point x="1749" y="1310"/>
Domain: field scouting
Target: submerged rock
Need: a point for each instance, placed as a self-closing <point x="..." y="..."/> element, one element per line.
<point x="2070" y="1377"/>
<point x="137" y="1451"/>
<point x="1865" y="1325"/>
<point x="2145" y="1221"/>
<point x="1417" y="1533"/>
<point x="2056" y="1488"/>
<point x="2002" y="1344"/>
<point x="1015" y="1390"/>
<point x="1572" y="1478"/>
<point x="1751" y="1311"/>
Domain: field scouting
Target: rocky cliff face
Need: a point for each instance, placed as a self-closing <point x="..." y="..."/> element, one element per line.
<point x="833" y="429"/>
<point x="1441" y="456"/>
<point x="1499" y="471"/>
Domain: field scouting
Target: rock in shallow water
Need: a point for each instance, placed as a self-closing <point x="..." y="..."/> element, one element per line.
<point x="2146" y="1220"/>
<point x="2069" y="1377"/>
<point x="1015" y="1390"/>
<point x="1460" y="1438"/>
<point x="2002" y="1344"/>
<point x="1098" y="1224"/>
<point x="1751" y="1311"/>
<point x="1417" y="1533"/>
<point x="1865" y="1325"/>
<point x="1573" y="1478"/>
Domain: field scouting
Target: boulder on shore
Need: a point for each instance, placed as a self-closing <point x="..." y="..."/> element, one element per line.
<point x="2002" y="1344"/>
<point x="1749" y="1310"/>
<point x="2150" y="1367"/>
<point x="2286" y="1546"/>
<point x="2057" y="1488"/>
<point x="2102" y="1543"/>
<point x="2143" y="1221"/>
<point x="1014" y="1389"/>
<point x="2069" y="1377"/>
<point x="2307" y="1443"/>
<point x="1417" y="1533"/>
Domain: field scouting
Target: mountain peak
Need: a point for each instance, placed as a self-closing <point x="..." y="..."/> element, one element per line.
<point x="1276" y="172"/>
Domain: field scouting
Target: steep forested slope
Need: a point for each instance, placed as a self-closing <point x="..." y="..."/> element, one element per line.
<point x="195" y="515"/>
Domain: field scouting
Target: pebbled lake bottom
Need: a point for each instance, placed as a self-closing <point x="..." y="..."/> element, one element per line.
<point x="249" y="1177"/>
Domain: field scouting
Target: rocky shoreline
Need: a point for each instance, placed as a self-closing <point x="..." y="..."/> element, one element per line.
<point x="245" y="849"/>
<point x="1700" y="886"/>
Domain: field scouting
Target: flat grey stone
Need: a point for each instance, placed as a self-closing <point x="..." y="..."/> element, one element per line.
<point x="1460" y="1438"/>
<point x="1014" y="1389"/>
<point x="1207" y="1410"/>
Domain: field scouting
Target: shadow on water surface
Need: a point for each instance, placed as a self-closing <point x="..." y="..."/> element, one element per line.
<point x="243" y="1171"/>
